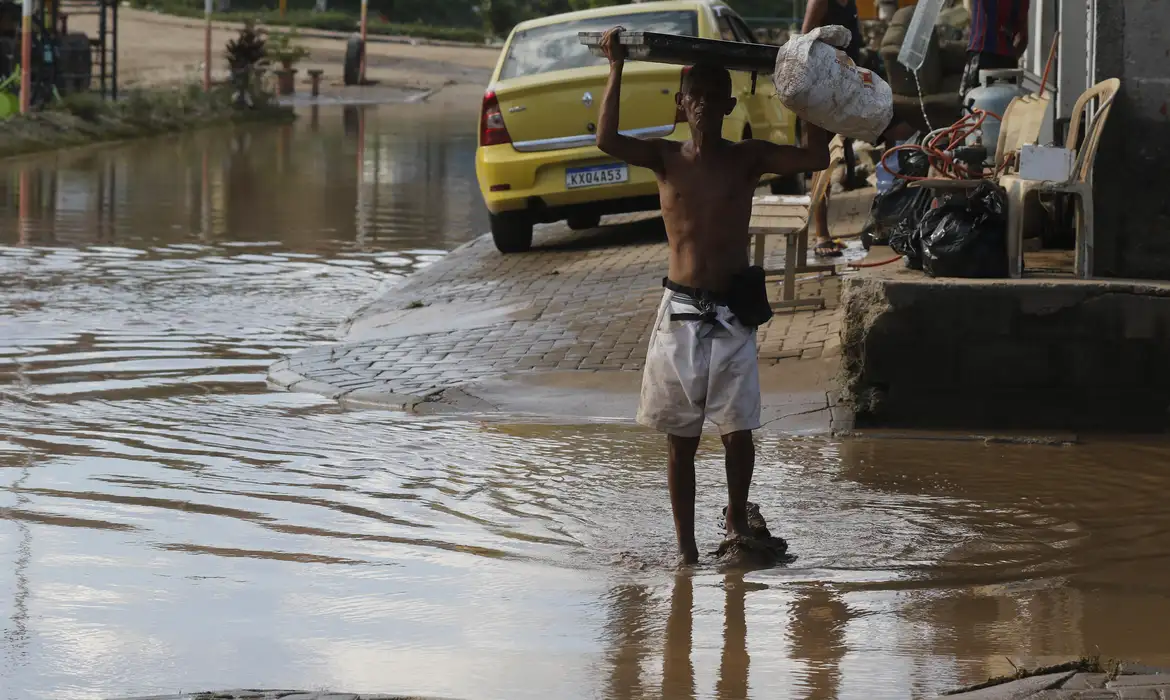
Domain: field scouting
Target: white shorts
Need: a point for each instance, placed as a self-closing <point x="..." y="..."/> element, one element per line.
<point x="698" y="369"/>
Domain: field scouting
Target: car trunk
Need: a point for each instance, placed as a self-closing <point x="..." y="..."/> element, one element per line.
<point x="567" y="104"/>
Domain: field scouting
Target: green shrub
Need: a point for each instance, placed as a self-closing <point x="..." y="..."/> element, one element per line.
<point x="87" y="106"/>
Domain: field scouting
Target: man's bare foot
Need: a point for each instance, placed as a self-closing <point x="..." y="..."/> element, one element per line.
<point x="828" y="248"/>
<point x="755" y="526"/>
<point x="688" y="558"/>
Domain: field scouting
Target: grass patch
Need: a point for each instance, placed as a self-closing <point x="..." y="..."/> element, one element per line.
<point x="85" y="118"/>
<point x="1085" y="664"/>
<point x="329" y="21"/>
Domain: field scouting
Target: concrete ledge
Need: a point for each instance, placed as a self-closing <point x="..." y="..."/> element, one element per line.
<point x="1086" y="679"/>
<point x="1035" y="354"/>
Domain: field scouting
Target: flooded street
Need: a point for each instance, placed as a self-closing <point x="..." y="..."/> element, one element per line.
<point x="168" y="523"/>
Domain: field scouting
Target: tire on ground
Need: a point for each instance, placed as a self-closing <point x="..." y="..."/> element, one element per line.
<point x="791" y="184"/>
<point x="355" y="48"/>
<point x="796" y="183"/>
<point x="584" y="222"/>
<point x="76" y="63"/>
<point x="512" y="232"/>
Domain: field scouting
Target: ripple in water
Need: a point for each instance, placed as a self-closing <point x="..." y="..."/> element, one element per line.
<point x="167" y="523"/>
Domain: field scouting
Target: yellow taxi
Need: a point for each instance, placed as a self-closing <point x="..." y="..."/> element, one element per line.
<point x="537" y="161"/>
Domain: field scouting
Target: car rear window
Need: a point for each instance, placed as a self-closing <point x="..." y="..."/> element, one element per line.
<point x="556" y="47"/>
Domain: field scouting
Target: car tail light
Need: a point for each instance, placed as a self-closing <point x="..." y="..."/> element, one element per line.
<point x="492" y="131"/>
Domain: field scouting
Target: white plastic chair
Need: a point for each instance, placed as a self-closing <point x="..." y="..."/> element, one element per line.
<point x="1079" y="184"/>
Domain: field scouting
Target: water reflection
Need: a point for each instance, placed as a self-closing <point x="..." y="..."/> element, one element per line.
<point x="413" y="184"/>
<point x="168" y="523"/>
<point x="678" y="669"/>
<point x="818" y="621"/>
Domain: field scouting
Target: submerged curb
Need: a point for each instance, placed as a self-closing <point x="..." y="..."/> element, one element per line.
<point x="281" y="376"/>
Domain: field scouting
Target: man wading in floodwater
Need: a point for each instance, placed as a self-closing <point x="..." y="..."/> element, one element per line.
<point x="701" y="362"/>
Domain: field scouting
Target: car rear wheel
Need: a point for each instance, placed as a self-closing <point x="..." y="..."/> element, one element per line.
<point x="792" y="184"/>
<point x="796" y="183"/>
<point x="584" y="222"/>
<point x="512" y="232"/>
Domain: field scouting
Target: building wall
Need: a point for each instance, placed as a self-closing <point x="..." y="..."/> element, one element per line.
<point x="1132" y="176"/>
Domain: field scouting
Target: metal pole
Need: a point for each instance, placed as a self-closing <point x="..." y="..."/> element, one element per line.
<point x="207" y="46"/>
<point x="283" y="8"/>
<point x="365" y="47"/>
<point x="114" y="52"/>
<point x="1090" y="43"/>
<point x="102" y="28"/>
<point x="360" y="218"/>
<point x="23" y="203"/>
<point x="25" y="56"/>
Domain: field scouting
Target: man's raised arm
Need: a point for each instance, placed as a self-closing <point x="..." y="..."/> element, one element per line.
<point x="638" y="152"/>
<point x="768" y="157"/>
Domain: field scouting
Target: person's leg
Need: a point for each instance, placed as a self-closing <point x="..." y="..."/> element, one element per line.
<point x="850" y="180"/>
<point x="740" y="463"/>
<point x="733" y="404"/>
<point x="824" y="246"/>
<point x="681" y="481"/>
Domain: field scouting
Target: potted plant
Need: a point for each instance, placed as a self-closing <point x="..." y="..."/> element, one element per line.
<point x="246" y="58"/>
<point x="283" y="51"/>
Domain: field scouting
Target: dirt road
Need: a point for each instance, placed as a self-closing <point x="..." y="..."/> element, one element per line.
<point x="162" y="49"/>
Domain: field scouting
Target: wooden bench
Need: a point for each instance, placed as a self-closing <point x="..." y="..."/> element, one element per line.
<point x="788" y="216"/>
<point x="785" y="215"/>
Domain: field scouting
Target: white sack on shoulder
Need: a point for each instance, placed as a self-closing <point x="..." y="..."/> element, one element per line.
<point x="822" y="85"/>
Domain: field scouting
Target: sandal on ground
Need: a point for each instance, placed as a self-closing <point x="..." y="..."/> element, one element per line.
<point x="828" y="249"/>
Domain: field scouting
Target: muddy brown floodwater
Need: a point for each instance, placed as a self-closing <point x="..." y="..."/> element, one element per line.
<point x="167" y="523"/>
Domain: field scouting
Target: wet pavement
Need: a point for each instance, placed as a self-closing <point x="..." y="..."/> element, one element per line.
<point x="168" y="523"/>
<point x="581" y="301"/>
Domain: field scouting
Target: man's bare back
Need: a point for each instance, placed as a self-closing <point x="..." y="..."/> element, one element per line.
<point x="705" y="184"/>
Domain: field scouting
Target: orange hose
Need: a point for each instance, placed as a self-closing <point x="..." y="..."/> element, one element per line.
<point x="936" y="151"/>
<point x="859" y="266"/>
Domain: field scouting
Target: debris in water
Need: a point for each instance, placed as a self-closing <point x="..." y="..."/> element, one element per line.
<point x="758" y="549"/>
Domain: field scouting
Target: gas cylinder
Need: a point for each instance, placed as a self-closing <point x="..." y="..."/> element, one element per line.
<point x="997" y="88"/>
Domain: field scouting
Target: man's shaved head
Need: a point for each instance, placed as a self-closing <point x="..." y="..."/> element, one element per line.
<point x="714" y="79"/>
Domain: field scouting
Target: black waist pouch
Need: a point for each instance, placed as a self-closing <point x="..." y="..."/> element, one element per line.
<point x="748" y="297"/>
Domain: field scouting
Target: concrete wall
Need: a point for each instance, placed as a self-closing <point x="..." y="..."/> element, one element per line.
<point x="1132" y="168"/>
<point x="1029" y="355"/>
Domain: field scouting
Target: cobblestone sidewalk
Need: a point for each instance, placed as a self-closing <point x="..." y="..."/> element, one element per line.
<point x="579" y="301"/>
<point x="1128" y="682"/>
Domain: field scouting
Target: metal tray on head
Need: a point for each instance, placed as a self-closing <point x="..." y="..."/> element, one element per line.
<point x="688" y="50"/>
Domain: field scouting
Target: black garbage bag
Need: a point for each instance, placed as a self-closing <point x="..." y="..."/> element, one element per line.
<point x="895" y="205"/>
<point x="913" y="162"/>
<point x="901" y="218"/>
<point x="966" y="236"/>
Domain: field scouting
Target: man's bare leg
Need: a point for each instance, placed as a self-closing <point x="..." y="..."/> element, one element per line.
<point x="680" y="477"/>
<point x="741" y="462"/>
<point x="825" y="246"/>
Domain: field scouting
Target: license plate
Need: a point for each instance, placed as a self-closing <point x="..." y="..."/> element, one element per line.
<point x="596" y="175"/>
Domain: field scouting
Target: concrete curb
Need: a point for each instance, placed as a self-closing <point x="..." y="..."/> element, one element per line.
<point x="281" y="376"/>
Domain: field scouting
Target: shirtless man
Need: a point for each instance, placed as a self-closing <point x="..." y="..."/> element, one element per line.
<point x="701" y="362"/>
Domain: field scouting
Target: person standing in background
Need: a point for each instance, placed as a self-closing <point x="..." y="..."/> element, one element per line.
<point x="823" y="13"/>
<point x="999" y="36"/>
